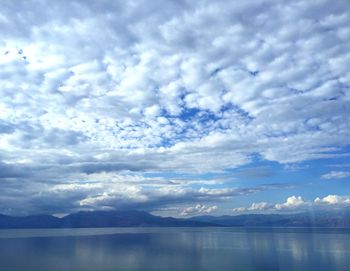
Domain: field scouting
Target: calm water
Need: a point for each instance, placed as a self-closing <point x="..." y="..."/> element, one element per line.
<point x="175" y="249"/>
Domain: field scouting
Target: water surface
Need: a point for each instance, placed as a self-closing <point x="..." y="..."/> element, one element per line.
<point x="175" y="249"/>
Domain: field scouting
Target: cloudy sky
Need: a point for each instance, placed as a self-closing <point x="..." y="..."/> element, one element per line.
<point x="174" y="107"/>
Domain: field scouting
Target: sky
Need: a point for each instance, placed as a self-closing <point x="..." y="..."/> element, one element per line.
<point x="177" y="108"/>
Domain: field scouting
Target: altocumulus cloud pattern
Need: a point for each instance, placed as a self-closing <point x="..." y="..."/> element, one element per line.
<point x="148" y="104"/>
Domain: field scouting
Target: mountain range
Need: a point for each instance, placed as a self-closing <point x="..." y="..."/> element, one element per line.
<point x="95" y="219"/>
<point x="307" y="219"/>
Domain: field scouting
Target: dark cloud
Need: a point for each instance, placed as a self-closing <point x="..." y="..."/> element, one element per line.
<point x="96" y="167"/>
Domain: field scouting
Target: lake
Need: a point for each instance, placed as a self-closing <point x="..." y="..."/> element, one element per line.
<point x="192" y="249"/>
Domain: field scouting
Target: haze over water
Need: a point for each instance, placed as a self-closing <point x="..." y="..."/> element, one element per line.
<point x="175" y="249"/>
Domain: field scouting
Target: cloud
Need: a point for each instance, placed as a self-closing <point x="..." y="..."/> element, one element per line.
<point x="168" y="86"/>
<point x="103" y="86"/>
<point x="336" y="175"/>
<point x="260" y="206"/>
<point x="130" y="196"/>
<point x="198" y="210"/>
<point x="292" y="202"/>
<point x="298" y="204"/>
<point x="72" y="191"/>
<point x="333" y="200"/>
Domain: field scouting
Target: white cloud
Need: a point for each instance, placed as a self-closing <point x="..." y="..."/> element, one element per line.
<point x="259" y="206"/>
<point x="255" y="207"/>
<point x="336" y="175"/>
<point x="292" y="202"/>
<point x="333" y="200"/>
<point x="298" y="204"/>
<point x="127" y="78"/>
<point x="164" y="86"/>
<point x="198" y="210"/>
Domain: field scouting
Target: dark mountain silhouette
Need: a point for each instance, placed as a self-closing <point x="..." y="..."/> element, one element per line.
<point x="124" y="219"/>
<point x="35" y="221"/>
<point x="97" y="219"/>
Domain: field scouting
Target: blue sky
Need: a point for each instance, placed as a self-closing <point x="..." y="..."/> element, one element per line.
<point x="175" y="107"/>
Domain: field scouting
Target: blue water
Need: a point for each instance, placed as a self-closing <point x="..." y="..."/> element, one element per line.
<point x="175" y="249"/>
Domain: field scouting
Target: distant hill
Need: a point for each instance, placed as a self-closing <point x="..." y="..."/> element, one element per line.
<point x="312" y="219"/>
<point x="35" y="221"/>
<point x="97" y="219"/>
<point x="124" y="219"/>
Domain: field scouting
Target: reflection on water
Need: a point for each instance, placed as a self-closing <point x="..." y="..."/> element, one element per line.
<point x="174" y="249"/>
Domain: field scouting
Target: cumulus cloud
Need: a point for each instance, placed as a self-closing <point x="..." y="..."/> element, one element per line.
<point x="168" y="86"/>
<point x="198" y="210"/>
<point x="333" y="200"/>
<point x="298" y="204"/>
<point x="255" y="207"/>
<point x="336" y="175"/>
<point x="292" y="202"/>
